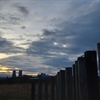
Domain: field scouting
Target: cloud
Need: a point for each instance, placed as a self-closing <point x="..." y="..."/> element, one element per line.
<point x="75" y="29"/>
<point x="4" y="1"/>
<point x="26" y="63"/>
<point x="59" y="62"/>
<point x="23" y="27"/>
<point x="23" y="10"/>
<point x="10" y="19"/>
<point x="8" y="47"/>
<point x="70" y="39"/>
<point x="46" y="46"/>
<point x="52" y="48"/>
<point x="85" y="29"/>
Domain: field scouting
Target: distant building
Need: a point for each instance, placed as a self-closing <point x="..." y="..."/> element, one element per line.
<point x="42" y="75"/>
<point x="98" y="49"/>
<point x="20" y="73"/>
<point x="14" y="73"/>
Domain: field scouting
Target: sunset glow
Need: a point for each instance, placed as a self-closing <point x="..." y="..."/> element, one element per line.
<point x="4" y="69"/>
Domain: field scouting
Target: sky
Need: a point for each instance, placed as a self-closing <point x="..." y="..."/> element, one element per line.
<point x="44" y="36"/>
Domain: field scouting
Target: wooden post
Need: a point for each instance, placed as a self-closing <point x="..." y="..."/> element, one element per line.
<point x="57" y="86"/>
<point x="92" y="76"/>
<point x="39" y="89"/>
<point x="76" y="81"/>
<point x="52" y="82"/>
<point x="68" y="82"/>
<point x="46" y="88"/>
<point x="62" y="85"/>
<point x="73" y="83"/>
<point x="33" y="90"/>
<point x="83" y="92"/>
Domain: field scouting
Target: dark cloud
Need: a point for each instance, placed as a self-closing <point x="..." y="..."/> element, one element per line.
<point x="8" y="47"/>
<point x="45" y="47"/>
<point x="51" y="49"/>
<point x="23" y="27"/>
<point x="23" y="10"/>
<point x="49" y="32"/>
<point x="87" y="31"/>
<point x="73" y="38"/>
<point x="9" y="20"/>
<point x="2" y="17"/>
<point x="59" y="62"/>
<point x="14" y="18"/>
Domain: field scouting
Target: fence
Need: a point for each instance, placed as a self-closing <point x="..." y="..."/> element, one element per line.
<point x="79" y="82"/>
<point x="15" y="91"/>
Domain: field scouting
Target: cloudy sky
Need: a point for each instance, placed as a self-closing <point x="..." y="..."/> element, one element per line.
<point x="46" y="35"/>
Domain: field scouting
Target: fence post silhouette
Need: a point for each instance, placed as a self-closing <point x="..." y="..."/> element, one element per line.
<point x="68" y="83"/>
<point x="83" y="93"/>
<point x="46" y="83"/>
<point x="73" y="84"/>
<point x="76" y="81"/>
<point x="57" y="86"/>
<point x="40" y="82"/>
<point x="52" y="83"/>
<point x="33" y="90"/>
<point x="92" y="76"/>
<point x="62" y="84"/>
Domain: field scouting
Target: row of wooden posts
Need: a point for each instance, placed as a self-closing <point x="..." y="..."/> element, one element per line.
<point x="79" y="82"/>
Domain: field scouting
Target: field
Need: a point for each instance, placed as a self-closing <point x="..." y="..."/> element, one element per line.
<point x="15" y="92"/>
<point x="20" y="92"/>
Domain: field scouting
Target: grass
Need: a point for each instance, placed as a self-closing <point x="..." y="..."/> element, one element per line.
<point x="15" y="92"/>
